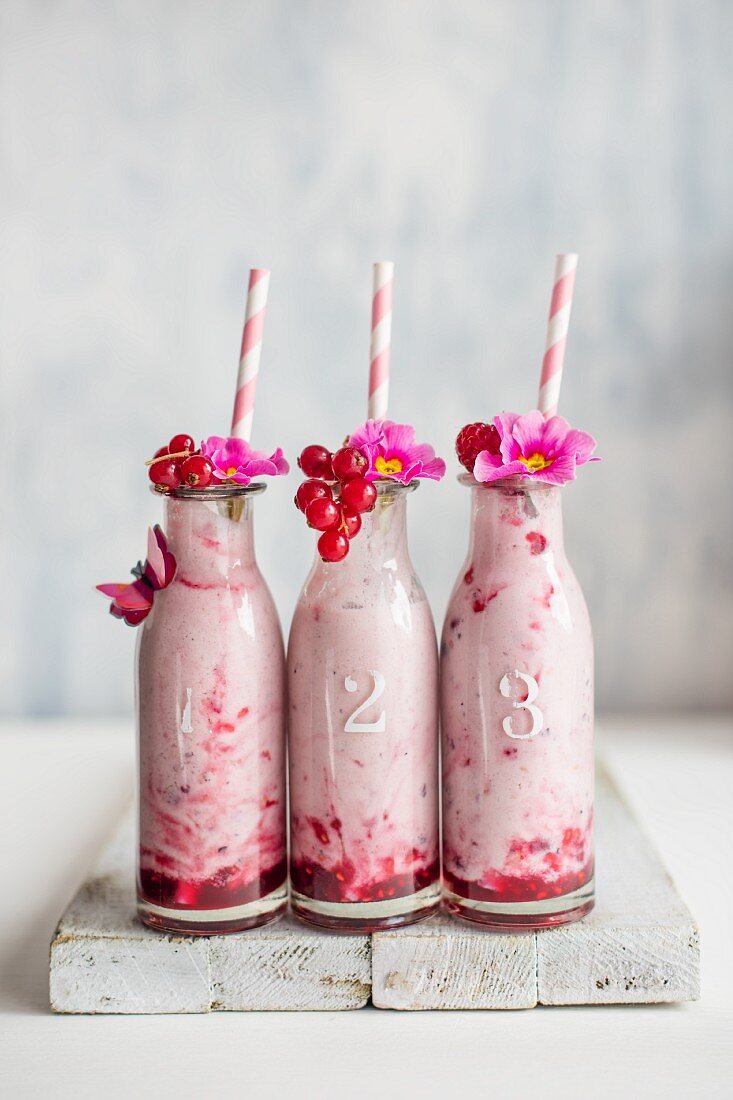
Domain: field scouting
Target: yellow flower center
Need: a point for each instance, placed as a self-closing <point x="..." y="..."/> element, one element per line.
<point x="387" y="466"/>
<point x="535" y="462"/>
<point x="231" y="471"/>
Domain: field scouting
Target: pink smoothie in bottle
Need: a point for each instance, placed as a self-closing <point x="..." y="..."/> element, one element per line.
<point x="517" y="718"/>
<point x="211" y="737"/>
<point x="363" y="733"/>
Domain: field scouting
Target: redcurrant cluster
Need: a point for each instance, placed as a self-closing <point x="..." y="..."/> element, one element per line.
<point x="334" y="496"/>
<point x="180" y="463"/>
<point x="475" y="438"/>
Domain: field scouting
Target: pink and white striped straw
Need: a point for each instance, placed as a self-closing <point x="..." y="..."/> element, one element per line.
<point x="381" y="340"/>
<point x="566" y="265"/>
<point x="249" y="357"/>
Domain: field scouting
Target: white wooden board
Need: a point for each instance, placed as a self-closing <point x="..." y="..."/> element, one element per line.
<point x="639" y="945"/>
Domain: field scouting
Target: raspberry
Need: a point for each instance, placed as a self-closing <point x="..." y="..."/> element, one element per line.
<point x="475" y="438"/>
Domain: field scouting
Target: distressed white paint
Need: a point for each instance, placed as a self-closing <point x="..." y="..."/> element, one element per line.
<point x="104" y="960"/>
<point x="444" y="964"/>
<point x="288" y="966"/>
<point x="639" y="945"/>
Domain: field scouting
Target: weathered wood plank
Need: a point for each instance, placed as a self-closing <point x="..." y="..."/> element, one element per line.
<point x="287" y="966"/>
<point x="443" y="964"/>
<point x="639" y="945"/>
<point x="104" y="960"/>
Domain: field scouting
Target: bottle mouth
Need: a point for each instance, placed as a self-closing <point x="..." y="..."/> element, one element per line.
<point x="212" y="492"/>
<point x="507" y="484"/>
<point x="388" y="489"/>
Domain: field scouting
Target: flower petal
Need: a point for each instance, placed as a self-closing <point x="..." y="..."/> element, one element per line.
<point x="504" y="423"/>
<point x="213" y="444"/>
<point x="554" y="435"/>
<point x="397" y="437"/>
<point x="528" y="431"/>
<point x="156" y="561"/>
<point x="434" y="469"/>
<point x="488" y="467"/>
<point x="581" y="445"/>
<point x="368" y="434"/>
<point x="281" y="464"/>
<point x="560" y="471"/>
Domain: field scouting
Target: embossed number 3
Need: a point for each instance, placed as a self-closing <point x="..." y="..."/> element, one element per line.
<point x="352" y="726"/>
<point x="533" y="689"/>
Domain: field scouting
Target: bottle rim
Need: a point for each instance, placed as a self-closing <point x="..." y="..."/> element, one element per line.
<point x="386" y="487"/>
<point x="508" y="484"/>
<point x="211" y="492"/>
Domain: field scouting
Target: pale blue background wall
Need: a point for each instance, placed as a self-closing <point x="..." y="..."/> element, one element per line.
<point x="152" y="150"/>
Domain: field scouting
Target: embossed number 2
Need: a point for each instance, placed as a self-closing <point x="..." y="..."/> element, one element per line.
<point x="533" y="689"/>
<point x="352" y="726"/>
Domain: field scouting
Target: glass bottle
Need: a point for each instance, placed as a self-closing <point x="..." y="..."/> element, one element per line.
<point x="517" y="718"/>
<point x="211" y="727"/>
<point x="363" y="733"/>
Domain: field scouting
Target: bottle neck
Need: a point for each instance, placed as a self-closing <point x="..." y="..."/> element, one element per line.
<point x="506" y="518"/>
<point x="381" y="544"/>
<point x="210" y="538"/>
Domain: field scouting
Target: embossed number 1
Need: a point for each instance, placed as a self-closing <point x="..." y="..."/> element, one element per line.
<point x="352" y="726"/>
<point x="533" y="689"/>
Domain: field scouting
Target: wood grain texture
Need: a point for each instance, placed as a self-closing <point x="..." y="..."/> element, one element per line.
<point x="288" y="966"/>
<point x="639" y="945"/>
<point x="104" y="960"/>
<point x="443" y="964"/>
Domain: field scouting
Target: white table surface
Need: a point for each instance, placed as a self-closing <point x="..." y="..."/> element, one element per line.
<point x="63" y="784"/>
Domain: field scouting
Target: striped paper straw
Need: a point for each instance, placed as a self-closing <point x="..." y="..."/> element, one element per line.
<point x="381" y="340"/>
<point x="566" y="265"/>
<point x="249" y="357"/>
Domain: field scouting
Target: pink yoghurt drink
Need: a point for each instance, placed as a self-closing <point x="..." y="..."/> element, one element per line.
<point x="517" y="718"/>
<point x="363" y="734"/>
<point x="211" y="727"/>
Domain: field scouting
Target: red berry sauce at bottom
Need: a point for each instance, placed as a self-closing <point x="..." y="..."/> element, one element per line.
<point x="514" y="888"/>
<point x="337" y="883"/>
<point x="225" y="890"/>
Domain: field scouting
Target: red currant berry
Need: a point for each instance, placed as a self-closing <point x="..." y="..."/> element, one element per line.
<point x="165" y="474"/>
<point x="181" y="443"/>
<point x="358" y="495"/>
<point x="197" y="471"/>
<point x="350" y="523"/>
<point x="333" y="545"/>
<point x="311" y="490"/>
<point x="322" y="513"/>
<point x="348" y="463"/>
<point x="475" y="438"/>
<point x="315" y="461"/>
<point x="161" y="451"/>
